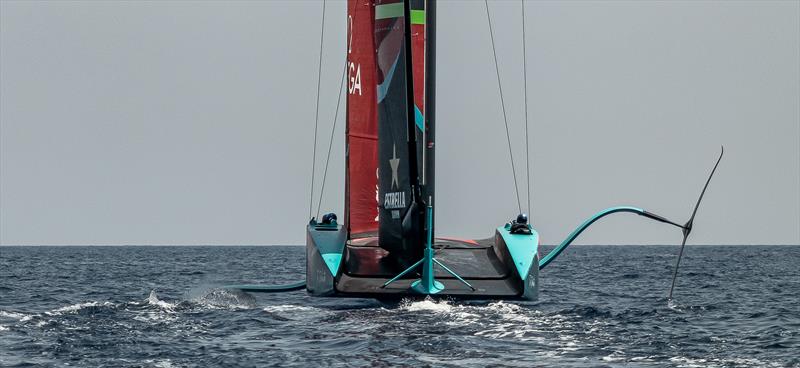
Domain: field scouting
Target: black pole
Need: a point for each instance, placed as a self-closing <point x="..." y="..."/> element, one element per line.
<point x="430" y="102"/>
<point x="417" y="217"/>
<point x="411" y="131"/>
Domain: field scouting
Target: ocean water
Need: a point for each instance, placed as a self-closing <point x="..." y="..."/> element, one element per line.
<point x="735" y="306"/>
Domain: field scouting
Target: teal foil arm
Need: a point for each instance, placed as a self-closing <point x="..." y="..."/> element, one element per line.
<point x="564" y="244"/>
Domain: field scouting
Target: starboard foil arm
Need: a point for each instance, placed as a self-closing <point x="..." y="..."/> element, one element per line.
<point x="574" y="234"/>
<point x="686" y="228"/>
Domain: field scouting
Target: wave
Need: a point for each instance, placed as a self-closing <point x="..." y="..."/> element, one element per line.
<point x="689" y="308"/>
<point x="218" y="298"/>
<point x="427" y="305"/>
<point x="586" y="311"/>
<point x="12" y="315"/>
<point x="153" y="300"/>
<point x="289" y="312"/>
<point x="719" y="362"/>
<point x="79" y="307"/>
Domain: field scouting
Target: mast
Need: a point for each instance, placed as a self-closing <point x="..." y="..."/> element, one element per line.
<point x="429" y="175"/>
<point x="410" y="112"/>
<point x="413" y="225"/>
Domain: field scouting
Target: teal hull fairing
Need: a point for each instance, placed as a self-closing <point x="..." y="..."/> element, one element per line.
<point x="505" y="267"/>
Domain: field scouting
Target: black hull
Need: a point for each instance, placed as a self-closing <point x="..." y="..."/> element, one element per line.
<point x="337" y="267"/>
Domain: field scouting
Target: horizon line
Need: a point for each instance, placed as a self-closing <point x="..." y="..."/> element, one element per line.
<point x="302" y="245"/>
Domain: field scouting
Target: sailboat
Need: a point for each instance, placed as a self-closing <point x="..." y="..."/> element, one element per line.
<point x="386" y="246"/>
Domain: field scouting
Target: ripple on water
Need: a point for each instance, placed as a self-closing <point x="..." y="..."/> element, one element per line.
<point x="154" y="310"/>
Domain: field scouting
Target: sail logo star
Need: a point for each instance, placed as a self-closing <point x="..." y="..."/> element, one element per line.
<point x="394" y="200"/>
<point x="394" y="162"/>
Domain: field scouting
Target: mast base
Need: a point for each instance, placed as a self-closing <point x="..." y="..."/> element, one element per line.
<point x="421" y="288"/>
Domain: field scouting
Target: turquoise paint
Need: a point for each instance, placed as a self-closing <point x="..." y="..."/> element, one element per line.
<point x="332" y="260"/>
<point x="427" y="284"/>
<point x="419" y="119"/>
<point x="564" y="244"/>
<point x="522" y="248"/>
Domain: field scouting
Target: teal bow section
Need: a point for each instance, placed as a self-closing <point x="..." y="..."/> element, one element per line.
<point x="522" y="248"/>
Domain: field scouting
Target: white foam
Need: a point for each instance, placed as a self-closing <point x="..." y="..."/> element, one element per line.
<point x="298" y="311"/>
<point x="453" y="314"/>
<point x="717" y="362"/>
<point x="511" y="312"/>
<point x="225" y="299"/>
<point x="289" y="308"/>
<point x="3" y="328"/>
<point x="155" y="317"/>
<point x="524" y="325"/>
<point x="616" y="356"/>
<point x="164" y="364"/>
<point x="76" y="307"/>
<point x="671" y="305"/>
<point x="13" y="315"/>
<point x="427" y="305"/>
<point x="164" y="313"/>
<point x="153" y="300"/>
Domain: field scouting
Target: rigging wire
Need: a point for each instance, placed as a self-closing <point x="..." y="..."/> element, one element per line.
<point x="316" y="116"/>
<point x="525" y="89"/>
<point x="333" y="130"/>
<point x="503" y="104"/>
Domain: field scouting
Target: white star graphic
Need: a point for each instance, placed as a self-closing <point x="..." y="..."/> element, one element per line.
<point x="394" y="162"/>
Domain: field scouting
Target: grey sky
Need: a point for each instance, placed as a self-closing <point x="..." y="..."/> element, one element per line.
<point x="191" y="123"/>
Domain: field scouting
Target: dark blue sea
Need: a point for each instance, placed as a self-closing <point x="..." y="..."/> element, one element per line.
<point x="734" y="306"/>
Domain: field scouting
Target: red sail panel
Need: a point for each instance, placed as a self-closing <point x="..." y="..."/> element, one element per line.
<point x="361" y="197"/>
<point x="418" y="55"/>
<point x="418" y="70"/>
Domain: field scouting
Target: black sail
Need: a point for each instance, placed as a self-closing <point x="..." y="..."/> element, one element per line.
<point x="400" y="216"/>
